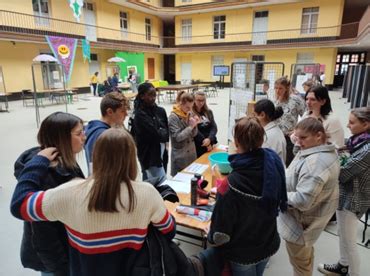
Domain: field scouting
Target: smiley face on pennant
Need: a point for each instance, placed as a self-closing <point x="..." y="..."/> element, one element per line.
<point x="63" y="51"/>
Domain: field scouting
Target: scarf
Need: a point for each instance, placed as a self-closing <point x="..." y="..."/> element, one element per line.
<point x="357" y="139"/>
<point x="274" y="194"/>
<point x="178" y="111"/>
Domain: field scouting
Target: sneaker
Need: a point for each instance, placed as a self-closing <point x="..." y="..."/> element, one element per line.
<point x="333" y="269"/>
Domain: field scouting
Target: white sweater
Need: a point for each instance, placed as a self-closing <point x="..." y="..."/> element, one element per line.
<point x="275" y="140"/>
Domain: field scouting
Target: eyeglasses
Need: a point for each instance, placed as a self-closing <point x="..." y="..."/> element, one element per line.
<point x="78" y="133"/>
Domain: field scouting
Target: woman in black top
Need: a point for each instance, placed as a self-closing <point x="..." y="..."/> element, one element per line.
<point x="207" y="128"/>
<point x="150" y="130"/>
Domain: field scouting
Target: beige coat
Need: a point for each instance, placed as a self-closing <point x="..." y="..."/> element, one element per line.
<point x="183" y="151"/>
<point x="313" y="192"/>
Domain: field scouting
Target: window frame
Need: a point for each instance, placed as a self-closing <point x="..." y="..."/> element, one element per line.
<point x="148" y="29"/>
<point x="186" y="29"/>
<point x="122" y="20"/>
<point x="311" y="27"/>
<point x="219" y="23"/>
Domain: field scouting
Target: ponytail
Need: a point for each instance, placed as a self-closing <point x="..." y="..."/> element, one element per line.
<point x="268" y="107"/>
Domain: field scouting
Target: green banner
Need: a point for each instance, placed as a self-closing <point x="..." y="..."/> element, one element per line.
<point x="134" y="61"/>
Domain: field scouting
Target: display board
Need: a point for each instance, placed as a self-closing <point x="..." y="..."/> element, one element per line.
<point x="221" y="70"/>
<point x="246" y="82"/>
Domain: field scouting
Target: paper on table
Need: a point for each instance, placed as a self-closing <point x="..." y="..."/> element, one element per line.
<point x="196" y="168"/>
<point x="223" y="147"/>
<point x="183" y="177"/>
<point x="178" y="186"/>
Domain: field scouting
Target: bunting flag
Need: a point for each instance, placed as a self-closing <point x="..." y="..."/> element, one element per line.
<point x="76" y="6"/>
<point x="64" y="49"/>
<point x="86" y="50"/>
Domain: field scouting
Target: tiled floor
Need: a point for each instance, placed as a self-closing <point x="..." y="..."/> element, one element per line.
<point x="18" y="132"/>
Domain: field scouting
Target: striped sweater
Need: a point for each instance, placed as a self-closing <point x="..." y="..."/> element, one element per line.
<point x="100" y="242"/>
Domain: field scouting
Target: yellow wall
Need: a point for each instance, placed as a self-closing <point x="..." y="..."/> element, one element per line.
<point x="239" y="23"/>
<point x="202" y="62"/>
<point x="155" y="3"/>
<point x="16" y="62"/>
<point x="158" y="63"/>
<point x="107" y="15"/>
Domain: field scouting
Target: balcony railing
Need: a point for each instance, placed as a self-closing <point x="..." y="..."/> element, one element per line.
<point x="20" y="23"/>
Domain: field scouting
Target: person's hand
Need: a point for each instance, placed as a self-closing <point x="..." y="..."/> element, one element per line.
<point x="194" y="121"/>
<point x="209" y="148"/>
<point x="50" y="153"/>
<point x="206" y="142"/>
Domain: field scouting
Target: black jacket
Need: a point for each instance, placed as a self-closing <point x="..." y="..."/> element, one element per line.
<point x="206" y="129"/>
<point x="150" y="129"/>
<point x="159" y="256"/>
<point x="44" y="244"/>
<point x="241" y="215"/>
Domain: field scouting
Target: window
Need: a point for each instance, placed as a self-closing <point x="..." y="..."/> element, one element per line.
<point x="219" y="26"/>
<point x="123" y="18"/>
<point x="40" y="10"/>
<point x="94" y="57"/>
<point x="362" y="60"/>
<point x="148" y="29"/>
<point x="344" y="69"/>
<point x="354" y="58"/>
<point x="337" y="69"/>
<point x="88" y="6"/>
<point x="258" y="58"/>
<point x="345" y="58"/>
<point x="309" y="20"/>
<point x="186" y="29"/>
<point x="338" y="58"/>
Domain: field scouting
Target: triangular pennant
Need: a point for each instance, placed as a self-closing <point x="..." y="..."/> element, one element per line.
<point x="76" y="6"/>
<point x="64" y="49"/>
<point x="86" y="50"/>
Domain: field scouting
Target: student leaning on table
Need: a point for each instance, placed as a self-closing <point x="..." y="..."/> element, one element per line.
<point x="312" y="186"/>
<point x="243" y="227"/>
<point x="106" y="216"/>
<point x="182" y="125"/>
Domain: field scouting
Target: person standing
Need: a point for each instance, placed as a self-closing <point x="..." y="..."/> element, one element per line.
<point x="107" y="216"/>
<point x="322" y="78"/>
<point x="150" y="130"/>
<point x="183" y="128"/>
<point x="243" y="227"/>
<point x="44" y="245"/>
<point x="354" y="196"/>
<point x="319" y="106"/>
<point x="94" y="82"/>
<point x="207" y="128"/>
<point x="113" y="109"/>
<point x="313" y="192"/>
<point x="133" y="79"/>
<point x="293" y="106"/>
<point x="266" y="114"/>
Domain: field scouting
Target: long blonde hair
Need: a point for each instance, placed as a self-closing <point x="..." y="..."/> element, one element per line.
<point x="114" y="163"/>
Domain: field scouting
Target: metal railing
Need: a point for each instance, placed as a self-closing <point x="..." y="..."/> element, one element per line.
<point x="15" y="22"/>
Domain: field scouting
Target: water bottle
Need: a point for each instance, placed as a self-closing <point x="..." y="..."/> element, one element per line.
<point x="193" y="191"/>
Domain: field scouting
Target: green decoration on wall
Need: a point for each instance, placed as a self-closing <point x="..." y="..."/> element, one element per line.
<point x="132" y="60"/>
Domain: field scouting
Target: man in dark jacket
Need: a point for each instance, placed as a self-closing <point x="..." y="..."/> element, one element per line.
<point x="113" y="108"/>
<point x="44" y="244"/>
<point x="150" y="130"/>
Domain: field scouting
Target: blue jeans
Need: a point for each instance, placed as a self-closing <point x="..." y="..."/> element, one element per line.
<point x="248" y="270"/>
<point x="155" y="172"/>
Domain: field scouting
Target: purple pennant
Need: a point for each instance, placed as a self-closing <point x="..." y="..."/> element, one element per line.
<point x="64" y="49"/>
